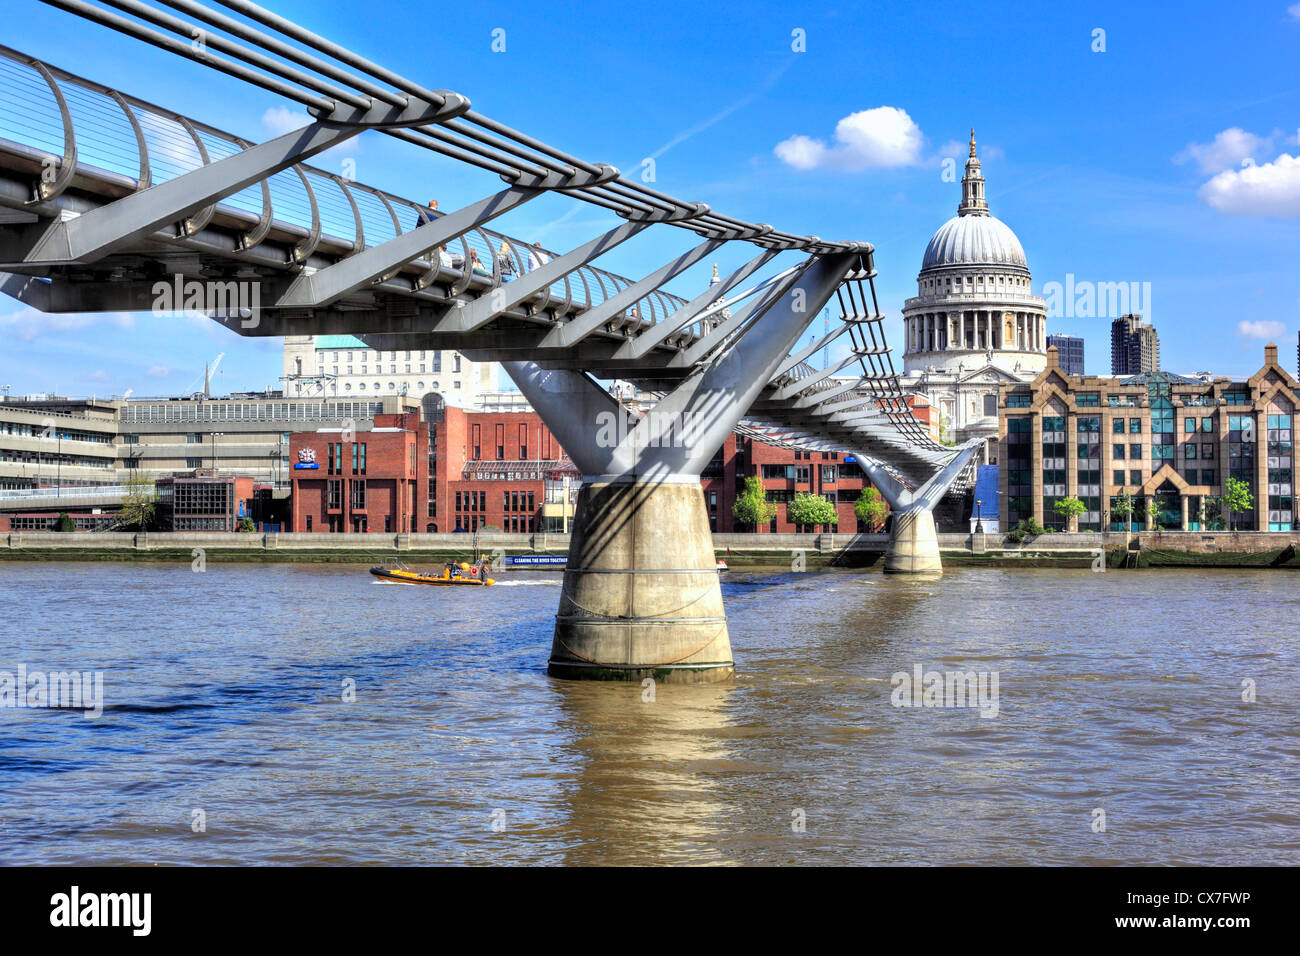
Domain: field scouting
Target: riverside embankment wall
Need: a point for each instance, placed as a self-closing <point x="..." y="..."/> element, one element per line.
<point x="774" y="551"/>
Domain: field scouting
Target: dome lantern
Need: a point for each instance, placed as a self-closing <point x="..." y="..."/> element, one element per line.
<point x="973" y="202"/>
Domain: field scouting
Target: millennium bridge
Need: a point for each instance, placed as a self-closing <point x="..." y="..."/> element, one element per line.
<point x="106" y="201"/>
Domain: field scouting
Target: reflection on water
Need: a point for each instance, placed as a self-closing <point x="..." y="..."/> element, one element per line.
<point x="225" y="693"/>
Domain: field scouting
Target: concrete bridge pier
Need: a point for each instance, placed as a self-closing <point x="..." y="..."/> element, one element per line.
<point x="641" y="596"/>
<point x="913" y="543"/>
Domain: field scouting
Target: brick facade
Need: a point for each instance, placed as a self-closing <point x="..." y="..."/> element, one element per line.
<point x="363" y="481"/>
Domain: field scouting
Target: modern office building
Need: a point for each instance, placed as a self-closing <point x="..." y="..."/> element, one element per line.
<point x="974" y="324"/>
<point x="1152" y="437"/>
<point x="1134" y="346"/>
<point x="204" y="501"/>
<point x="1070" y="350"/>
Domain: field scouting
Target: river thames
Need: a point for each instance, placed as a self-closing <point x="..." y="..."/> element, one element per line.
<point x="226" y="737"/>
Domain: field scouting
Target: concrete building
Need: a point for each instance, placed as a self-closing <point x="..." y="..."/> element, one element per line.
<point x="344" y="367"/>
<point x="974" y="324"/>
<point x="1134" y="346"/>
<point x="243" y="434"/>
<point x="1070" y="350"/>
<point x="54" y="443"/>
<point x="1153" y="437"/>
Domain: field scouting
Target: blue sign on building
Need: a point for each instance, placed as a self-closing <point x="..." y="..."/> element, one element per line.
<point x="306" y="464"/>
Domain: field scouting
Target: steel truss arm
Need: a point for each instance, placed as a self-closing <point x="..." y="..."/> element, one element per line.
<point x="575" y="331"/>
<point x="328" y="285"/>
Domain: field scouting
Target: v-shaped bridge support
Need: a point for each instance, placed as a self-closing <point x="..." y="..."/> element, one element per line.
<point x="641" y="595"/>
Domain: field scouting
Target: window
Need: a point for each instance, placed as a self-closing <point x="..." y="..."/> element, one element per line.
<point x="1117" y="426"/>
<point x="1207" y="424"/>
<point x="1135" y="452"/>
<point x="1118" y="476"/>
<point x="358" y="496"/>
<point x="193" y="462"/>
<point x="309" y="522"/>
<point x="1189" y="425"/>
<point x="1207" y="451"/>
<point x="1135" y="477"/>
<point x="1189" y="450"/>
<point x="335" y="495"/>
<point x="1117" y="452"/>
<point x="1135" y="426"/>
<point x="1087" y="400"/>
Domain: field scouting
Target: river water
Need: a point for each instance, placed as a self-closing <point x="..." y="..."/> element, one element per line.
<point x="225" y="736"/>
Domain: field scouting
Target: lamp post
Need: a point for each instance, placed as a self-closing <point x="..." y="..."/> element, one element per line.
<point x="979" y="516"/>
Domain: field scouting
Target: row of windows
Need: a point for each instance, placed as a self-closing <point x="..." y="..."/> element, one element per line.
<point x="392" y="386"/>
<point x="335" y="466"/>
<point x="337" y="355"/>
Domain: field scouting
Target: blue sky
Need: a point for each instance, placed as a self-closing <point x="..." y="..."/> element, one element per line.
<point x="1115" y="165"/>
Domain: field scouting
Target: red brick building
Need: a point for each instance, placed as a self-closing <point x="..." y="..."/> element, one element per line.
<point x="505" y="471"/>
<point x="361" y="481"/>
<point x="501" y="470"/>
<point x="785" y="473"/>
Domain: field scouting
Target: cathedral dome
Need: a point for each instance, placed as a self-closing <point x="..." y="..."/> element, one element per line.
<point x="974" y="240"/>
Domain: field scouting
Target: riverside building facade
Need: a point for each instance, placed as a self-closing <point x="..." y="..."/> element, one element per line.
<point x="1153" y="437"/>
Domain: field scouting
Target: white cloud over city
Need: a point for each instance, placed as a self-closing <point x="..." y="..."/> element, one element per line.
<point x="1229" y="148"/>
<point x="881" y="137"/>
<point x="1266" y="189"/>
<point x="29" y="324"/>
<point x="1262" y="329"/>
<point x="1244" y="180"/>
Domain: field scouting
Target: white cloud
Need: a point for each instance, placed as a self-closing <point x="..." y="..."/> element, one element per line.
<point x="279" y="120"/>
<point x="1294" y="10"/>
<point x="880" y="137"/>
<point x="1228" y="149"/>
<point x="158" y="371"/>
<point x="1262" y="329"/>
<point x="1270" y="189"/>
<point x="28" y="324"/>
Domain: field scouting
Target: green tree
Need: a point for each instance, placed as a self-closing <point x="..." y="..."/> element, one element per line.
<point x="1069" y="509"/>
<point x="1237" y="496"/>
<point x="1152" y="513"/>
<point x="1122" y="508"/>
<point x="65" y="523"/>
<point x="752" y="507"/>
<point x="1211" y="513"/>
<point x="810" y="510"/>
<point x="246" y="524"/>
<point x="871" y="508"/>
<point x="139" y="501"/>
